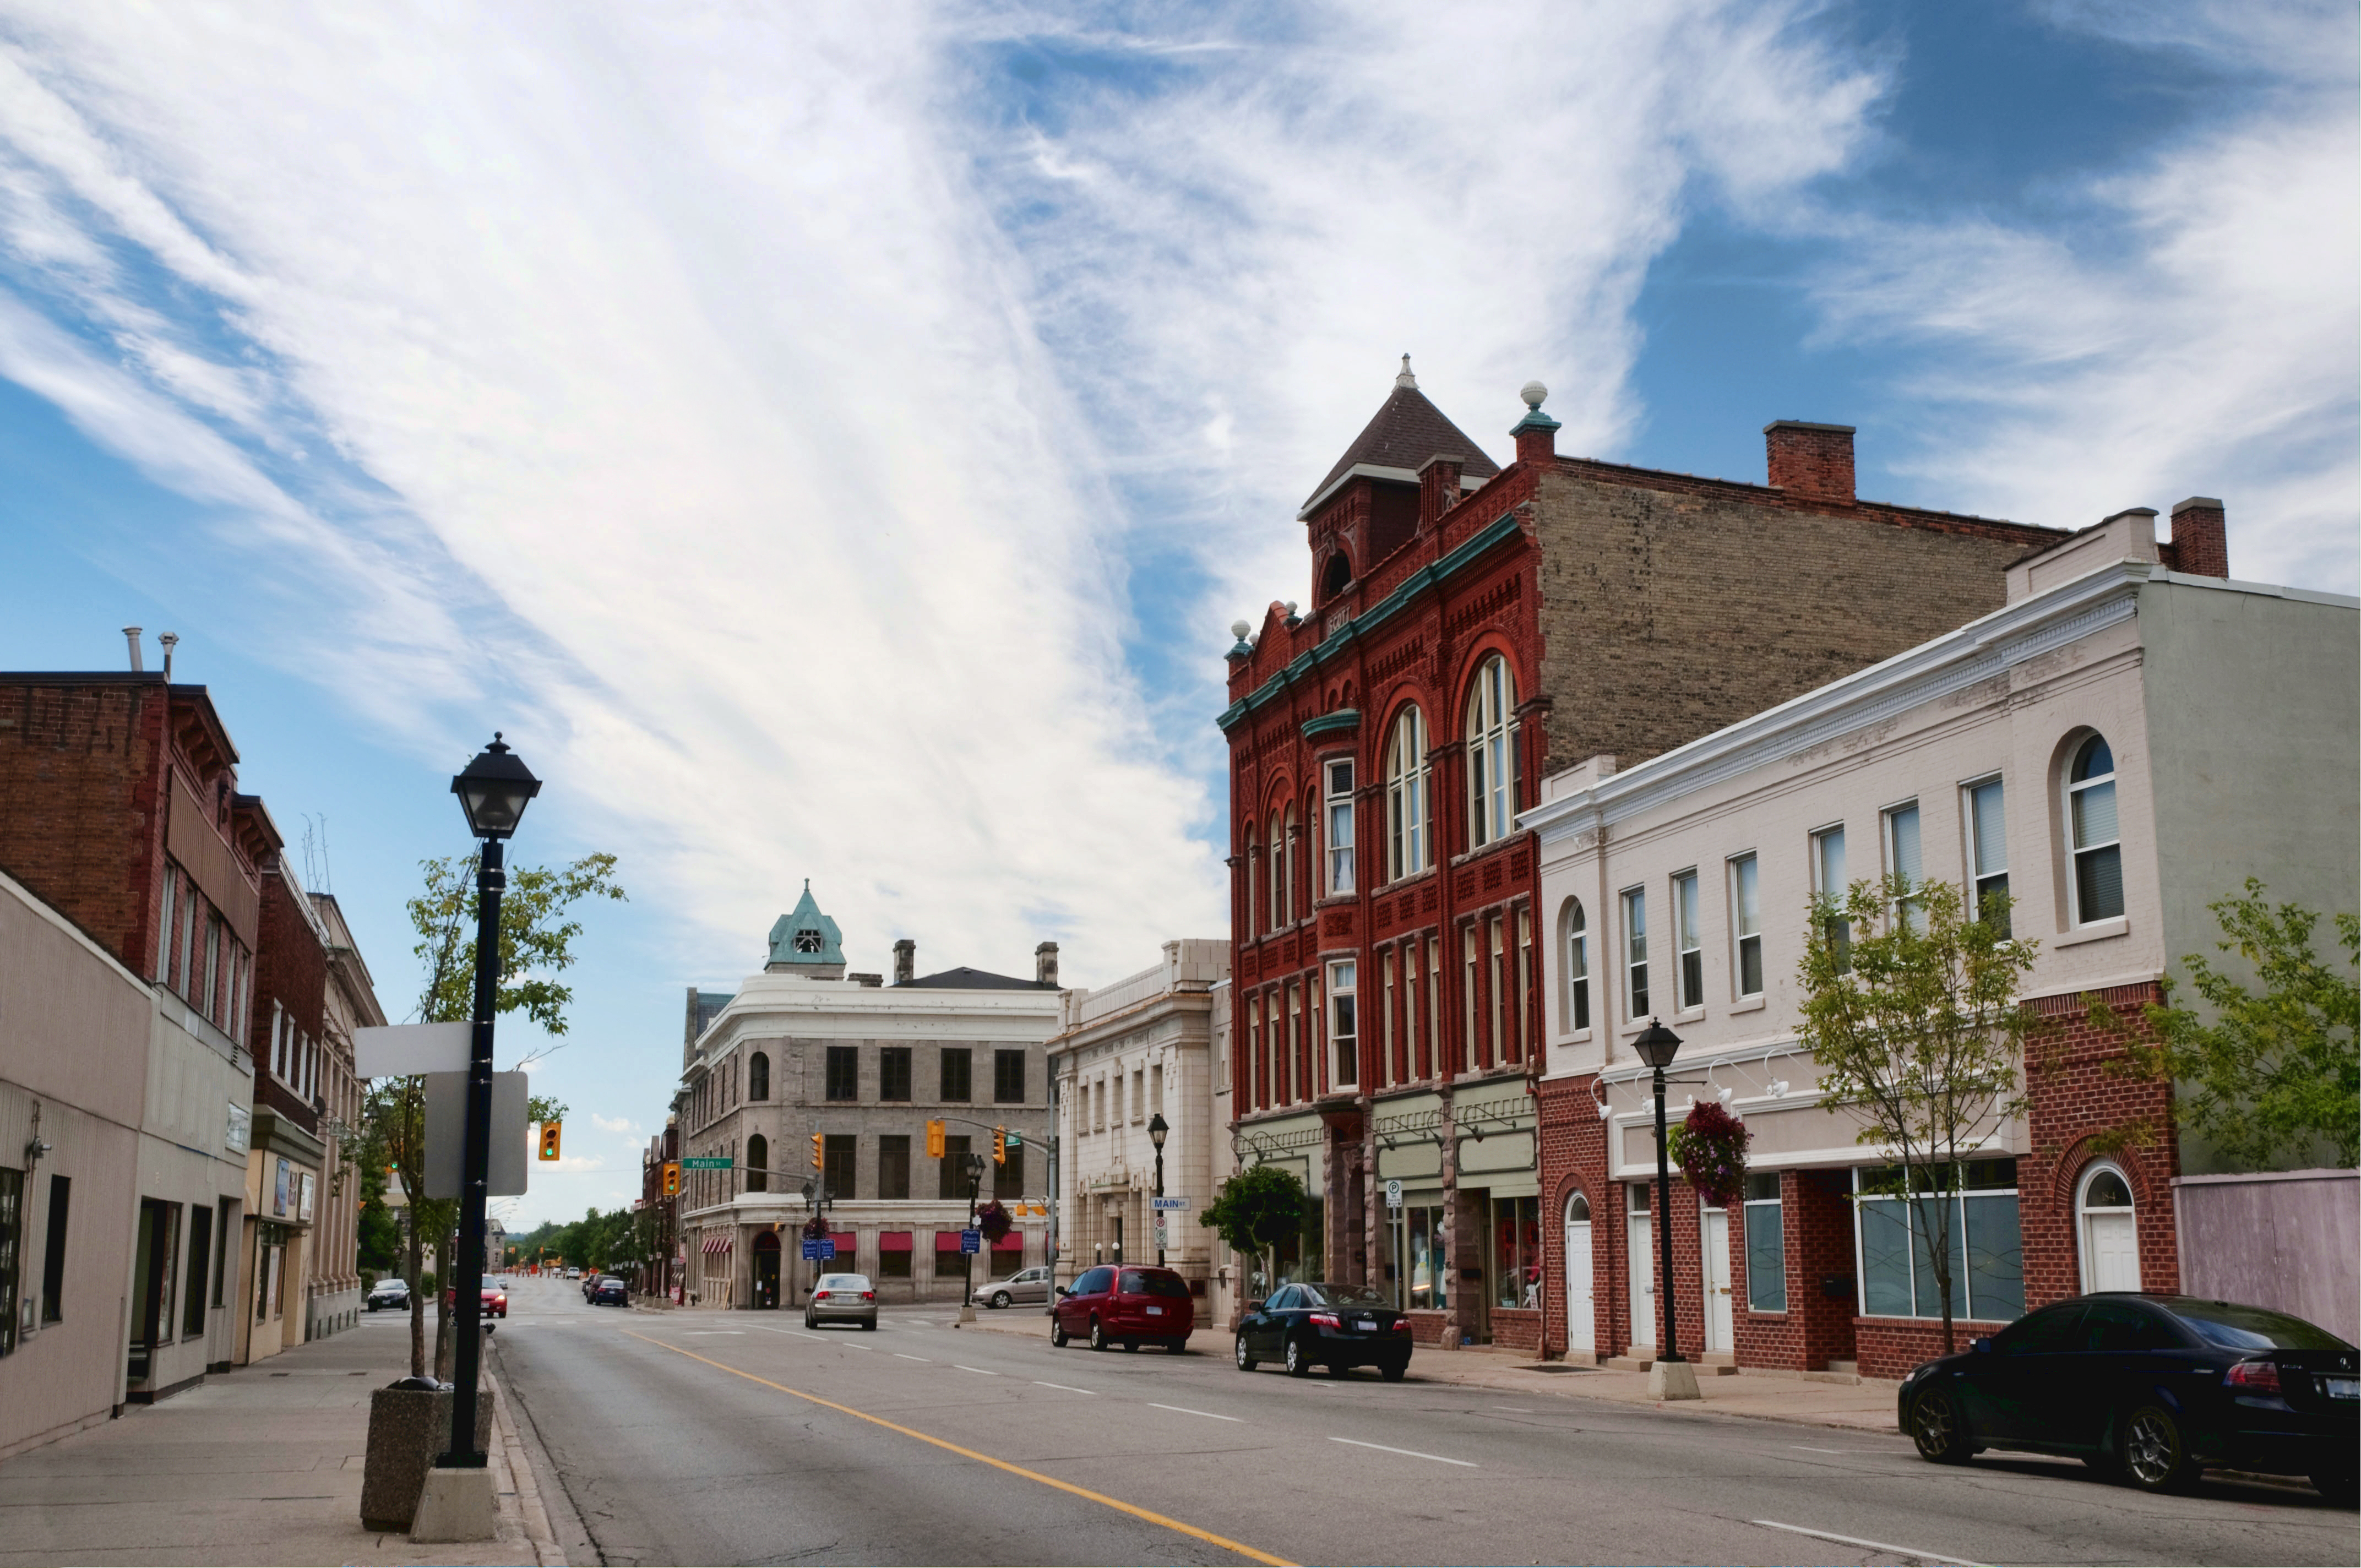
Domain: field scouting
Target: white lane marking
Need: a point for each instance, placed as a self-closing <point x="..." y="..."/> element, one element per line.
<point x="796" y="1333"/>
<point x="708" y="1334"/>
<point x="1064" y="1388"/>
<point x="1871" y="1545"/>
<point x="1184" y="1409"/>
<point x="900" y="1355"/>
<point x="976" y="1369"/>
<point x="1848" y="1453"/>
<point x="1411" y="1452"/>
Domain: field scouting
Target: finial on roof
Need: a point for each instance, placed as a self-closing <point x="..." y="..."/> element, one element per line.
<point x="1405" y="379"/>
<point x="1534" y="393"/>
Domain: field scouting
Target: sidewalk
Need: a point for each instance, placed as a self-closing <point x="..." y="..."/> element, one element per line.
<point x="1865" y="1406"/>
<point x="262" y="1465"/>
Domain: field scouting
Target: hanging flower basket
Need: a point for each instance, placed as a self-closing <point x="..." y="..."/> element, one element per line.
<point x="993" y="1221"/>
<point x="1711" y="1148"/>
<point x="816" y="1228"/>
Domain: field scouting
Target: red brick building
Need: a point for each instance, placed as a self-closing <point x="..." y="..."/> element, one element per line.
<point x="1471" y="627"/>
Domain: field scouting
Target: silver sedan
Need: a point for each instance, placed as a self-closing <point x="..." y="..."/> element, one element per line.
<point x="1026" y="1285"/>
<point x="843" y="1299"/>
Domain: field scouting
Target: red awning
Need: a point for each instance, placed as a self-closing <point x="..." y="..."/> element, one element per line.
<point x="718" y="1243"/>
<point x="947" y="1241"/>
<point x="845" y="1241"/>
<point x="1011" y="1242"/>
<point x="893" y="1241"/>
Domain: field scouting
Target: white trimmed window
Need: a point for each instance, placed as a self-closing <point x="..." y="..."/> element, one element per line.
<point x="1344" y="1035"/>
<point x="1687" y="945"/>
<point x="1406" y="828"/>
<point x="2098" y="882"/>
<point x="1746" y="922"/>
<point x="1470" y="980"/>
<point x="1386" y="1072"/>
<point x="1828" y="880"/>
<point x="1491" y="753"/>
<point x="1577" y="968"/>
<point x="1635" y="954"/>
<point x="1904" y="860"/>
<point x="1277" y="855"/>
<point x="1988" y="852"/>
<point x="1340" y="826"/>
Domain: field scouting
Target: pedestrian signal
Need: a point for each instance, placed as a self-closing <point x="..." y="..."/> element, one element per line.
<point x="934" y="1140"/>
<point x="1000" y="1145"/>
<point x="672" y="1178"/>
<point x="549" y="1130"/>
<point x="819" y="1152"/>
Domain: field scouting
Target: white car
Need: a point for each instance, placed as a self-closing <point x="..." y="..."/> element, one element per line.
<point x="1026" y="1285"/>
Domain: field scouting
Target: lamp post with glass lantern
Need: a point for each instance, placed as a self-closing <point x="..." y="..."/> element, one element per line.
<point x="1158" y="1127"/>
<point x="492" y="790"/>
<point x="1670" y="1377"/>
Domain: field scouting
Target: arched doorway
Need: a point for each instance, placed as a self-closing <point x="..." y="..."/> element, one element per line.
<point x="766" y="1271"/>
<point x="1581" y="1308"/>
<point x="2108" y="1230"/>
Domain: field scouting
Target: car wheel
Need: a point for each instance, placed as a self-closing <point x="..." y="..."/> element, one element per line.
<point x="1179" y="1347"/>
<point x="2341" y="1487"/>
<point x="1098" y="1335"/>
<point x="1245" y="1362"/>
<point x="2155" y="1454"/>
<point x="999" y="1299"/>
<point x="1936" y="1428"/>
<point x="1395" y="1371"/>
<point x="1131" y="1347"/>
<point x="811" y="1322"/>
<point x="871" y="1326"/>
<point x="1057" y="1334"/>
<point x="1298" y="1363"/>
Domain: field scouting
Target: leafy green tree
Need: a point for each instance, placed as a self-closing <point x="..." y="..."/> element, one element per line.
<point x="1910" y="1009"/>
<point x="1257" y="1210"/>
<point x="2267" y="1075"/>
<point x="379" y="1241"/>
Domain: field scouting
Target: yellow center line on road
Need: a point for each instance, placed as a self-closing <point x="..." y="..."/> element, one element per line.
<point x="1100" y="1497"/>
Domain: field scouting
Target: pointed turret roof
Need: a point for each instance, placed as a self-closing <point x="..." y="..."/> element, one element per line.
<point x="804" y="938"/>
<point x="1396" y="443"/>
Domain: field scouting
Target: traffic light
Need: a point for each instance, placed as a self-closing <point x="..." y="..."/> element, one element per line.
<point x="819" y="1152"/>
<point x="1000" y="1145"/>
<point x="549" y="1130"/>
<point x="672" y="1178"/>
<point x="934" y="1140"/>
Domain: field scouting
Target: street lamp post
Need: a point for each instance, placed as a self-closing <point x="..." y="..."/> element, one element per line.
<point x="492" y="790"/>
<point x="1670" y="1377"/>
<point x="976" y="1164"/>
<point x="1157" y="1130"/>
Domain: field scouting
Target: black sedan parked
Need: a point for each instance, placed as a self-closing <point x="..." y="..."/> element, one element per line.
<point x="611" y="1292"/>
<point x="1334" y="1326"/>
<point x="2153" y="1387"/>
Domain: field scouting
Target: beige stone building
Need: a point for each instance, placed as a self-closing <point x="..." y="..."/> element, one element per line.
<point x="333" y="1290"/>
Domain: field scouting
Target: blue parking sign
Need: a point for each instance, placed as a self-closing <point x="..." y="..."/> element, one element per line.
<point x="971" y="1241"/>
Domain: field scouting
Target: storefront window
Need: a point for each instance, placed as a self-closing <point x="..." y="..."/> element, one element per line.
<point x="1766" y="1246"/>
<point x="1897" y="1268"/>
<point x="1516" y="1261"/>
<point x="1421" y="1271"/>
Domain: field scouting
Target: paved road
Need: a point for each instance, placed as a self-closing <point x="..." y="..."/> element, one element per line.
<point x="714" y="1437"/>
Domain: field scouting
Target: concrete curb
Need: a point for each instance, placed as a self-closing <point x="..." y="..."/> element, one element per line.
<point x="523" y="1489"/>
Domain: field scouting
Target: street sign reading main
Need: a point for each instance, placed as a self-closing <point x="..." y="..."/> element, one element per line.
<point x="707" y="1162"/>
<point x="1162" y="1203"/>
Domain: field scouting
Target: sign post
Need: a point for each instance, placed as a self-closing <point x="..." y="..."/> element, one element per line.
<point x="1393" y="1193"/>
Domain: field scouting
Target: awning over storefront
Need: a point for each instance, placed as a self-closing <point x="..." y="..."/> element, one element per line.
<point x="1011" y="1242"/>
<point x="845" y="1241"/>
<point x="718" y="1243"/>
<point x="947" y="1241"/>
<point x="893" y="1241"/>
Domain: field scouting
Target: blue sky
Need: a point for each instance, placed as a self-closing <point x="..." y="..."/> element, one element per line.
<point x="833" y="444"/>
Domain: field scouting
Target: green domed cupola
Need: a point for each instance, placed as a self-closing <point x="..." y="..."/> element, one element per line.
<point x="806" y="942"/>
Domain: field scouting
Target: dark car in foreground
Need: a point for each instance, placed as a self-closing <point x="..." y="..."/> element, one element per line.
<point x="2155" y="1388"/>
<point x="392" y="1291"/>
<point x="1320" y="1324"/>
<point x="611" y="1292"/>
<point x="1129" y="1306"/>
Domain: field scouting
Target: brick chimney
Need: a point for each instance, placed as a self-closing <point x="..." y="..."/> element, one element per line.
<point x="1536" y="433"/>
<point x="1045" y="963"/>
<point x="905" y="961"/>
<point x="2201" y="538"/>
<point x="1813" y="460"/>
<point x="1438" y="486"/>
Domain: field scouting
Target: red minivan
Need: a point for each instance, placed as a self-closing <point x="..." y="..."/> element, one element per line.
<point x="1126" y="1306"/>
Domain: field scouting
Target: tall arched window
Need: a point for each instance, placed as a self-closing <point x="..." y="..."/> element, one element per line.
<point x="1294" y="849"/>
<point x="1577" y="1001"/>
<point x="1407" y="847"/>
<point x="1491" y="753"/>
<point x="1254" y="884"/>
<point x="1278" y="857"/>
<point x="758" y="1163"/>
<point x="2090" y="818"/>
<point x="758" y="1077"/>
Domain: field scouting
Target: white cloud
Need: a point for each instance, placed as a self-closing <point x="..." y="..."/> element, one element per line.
<point x="623" y="1125"/>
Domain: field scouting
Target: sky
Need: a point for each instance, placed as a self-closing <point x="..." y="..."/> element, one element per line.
<point x="832" y="442"/>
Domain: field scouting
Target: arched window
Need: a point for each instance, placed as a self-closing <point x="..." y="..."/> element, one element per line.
<point x="1577" y="1209"/>
<point x="1254" y="884"/>
<point x="1491" y="753"/>
<point x="2109" y="1231"/>
<point x="1294" y="850"/>
<point x="1337" y="578"/>
<point x="758" y="1077"/>
<point x="1407" y="838"/>
<point x="758" y="1163"/>
<point x="1577" y="1001"/>
<point x="2090" y="818"/>
<point x="1278" y="857"/>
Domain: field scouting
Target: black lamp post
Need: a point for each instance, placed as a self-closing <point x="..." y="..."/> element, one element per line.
<point x="1656" y="1046"/>
<point x="1156" y="1129"/>
<point x="492" y="792"/>
<point x="975" y="1166"/>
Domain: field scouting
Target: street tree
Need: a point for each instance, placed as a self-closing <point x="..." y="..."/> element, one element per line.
<point x="1256" y="1211"/>
<point x="1911" y="1010"/>
<point x="2268" y="1075"/>
<point x="536" y="947"/>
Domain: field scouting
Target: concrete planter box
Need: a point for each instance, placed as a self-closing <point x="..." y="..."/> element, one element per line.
<point x="408" y="1426"/>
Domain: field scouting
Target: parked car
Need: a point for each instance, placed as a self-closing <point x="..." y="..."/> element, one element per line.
<point x="1026" y="1285"/>
<point x="841" y="1299"/>
<point x="393" y="1291"/>
<point x="1320" y="1324"/>
<point x="2155" y="1388"/>
<point x="1128" y="1306"/>
<point x="573" y="1273"/>
<point x="495" y="1301"/>
<point x="611" y="1292"/>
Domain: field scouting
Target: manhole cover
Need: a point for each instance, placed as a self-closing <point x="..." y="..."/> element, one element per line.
<point x="1555" y="1367"/>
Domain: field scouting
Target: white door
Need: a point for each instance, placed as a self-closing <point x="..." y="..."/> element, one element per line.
<point x="1717" y="1279"/>
<point x="1581" y="1311"/>
<point x="1643" y="1286"/>
<point x="2111" y="1243"/>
